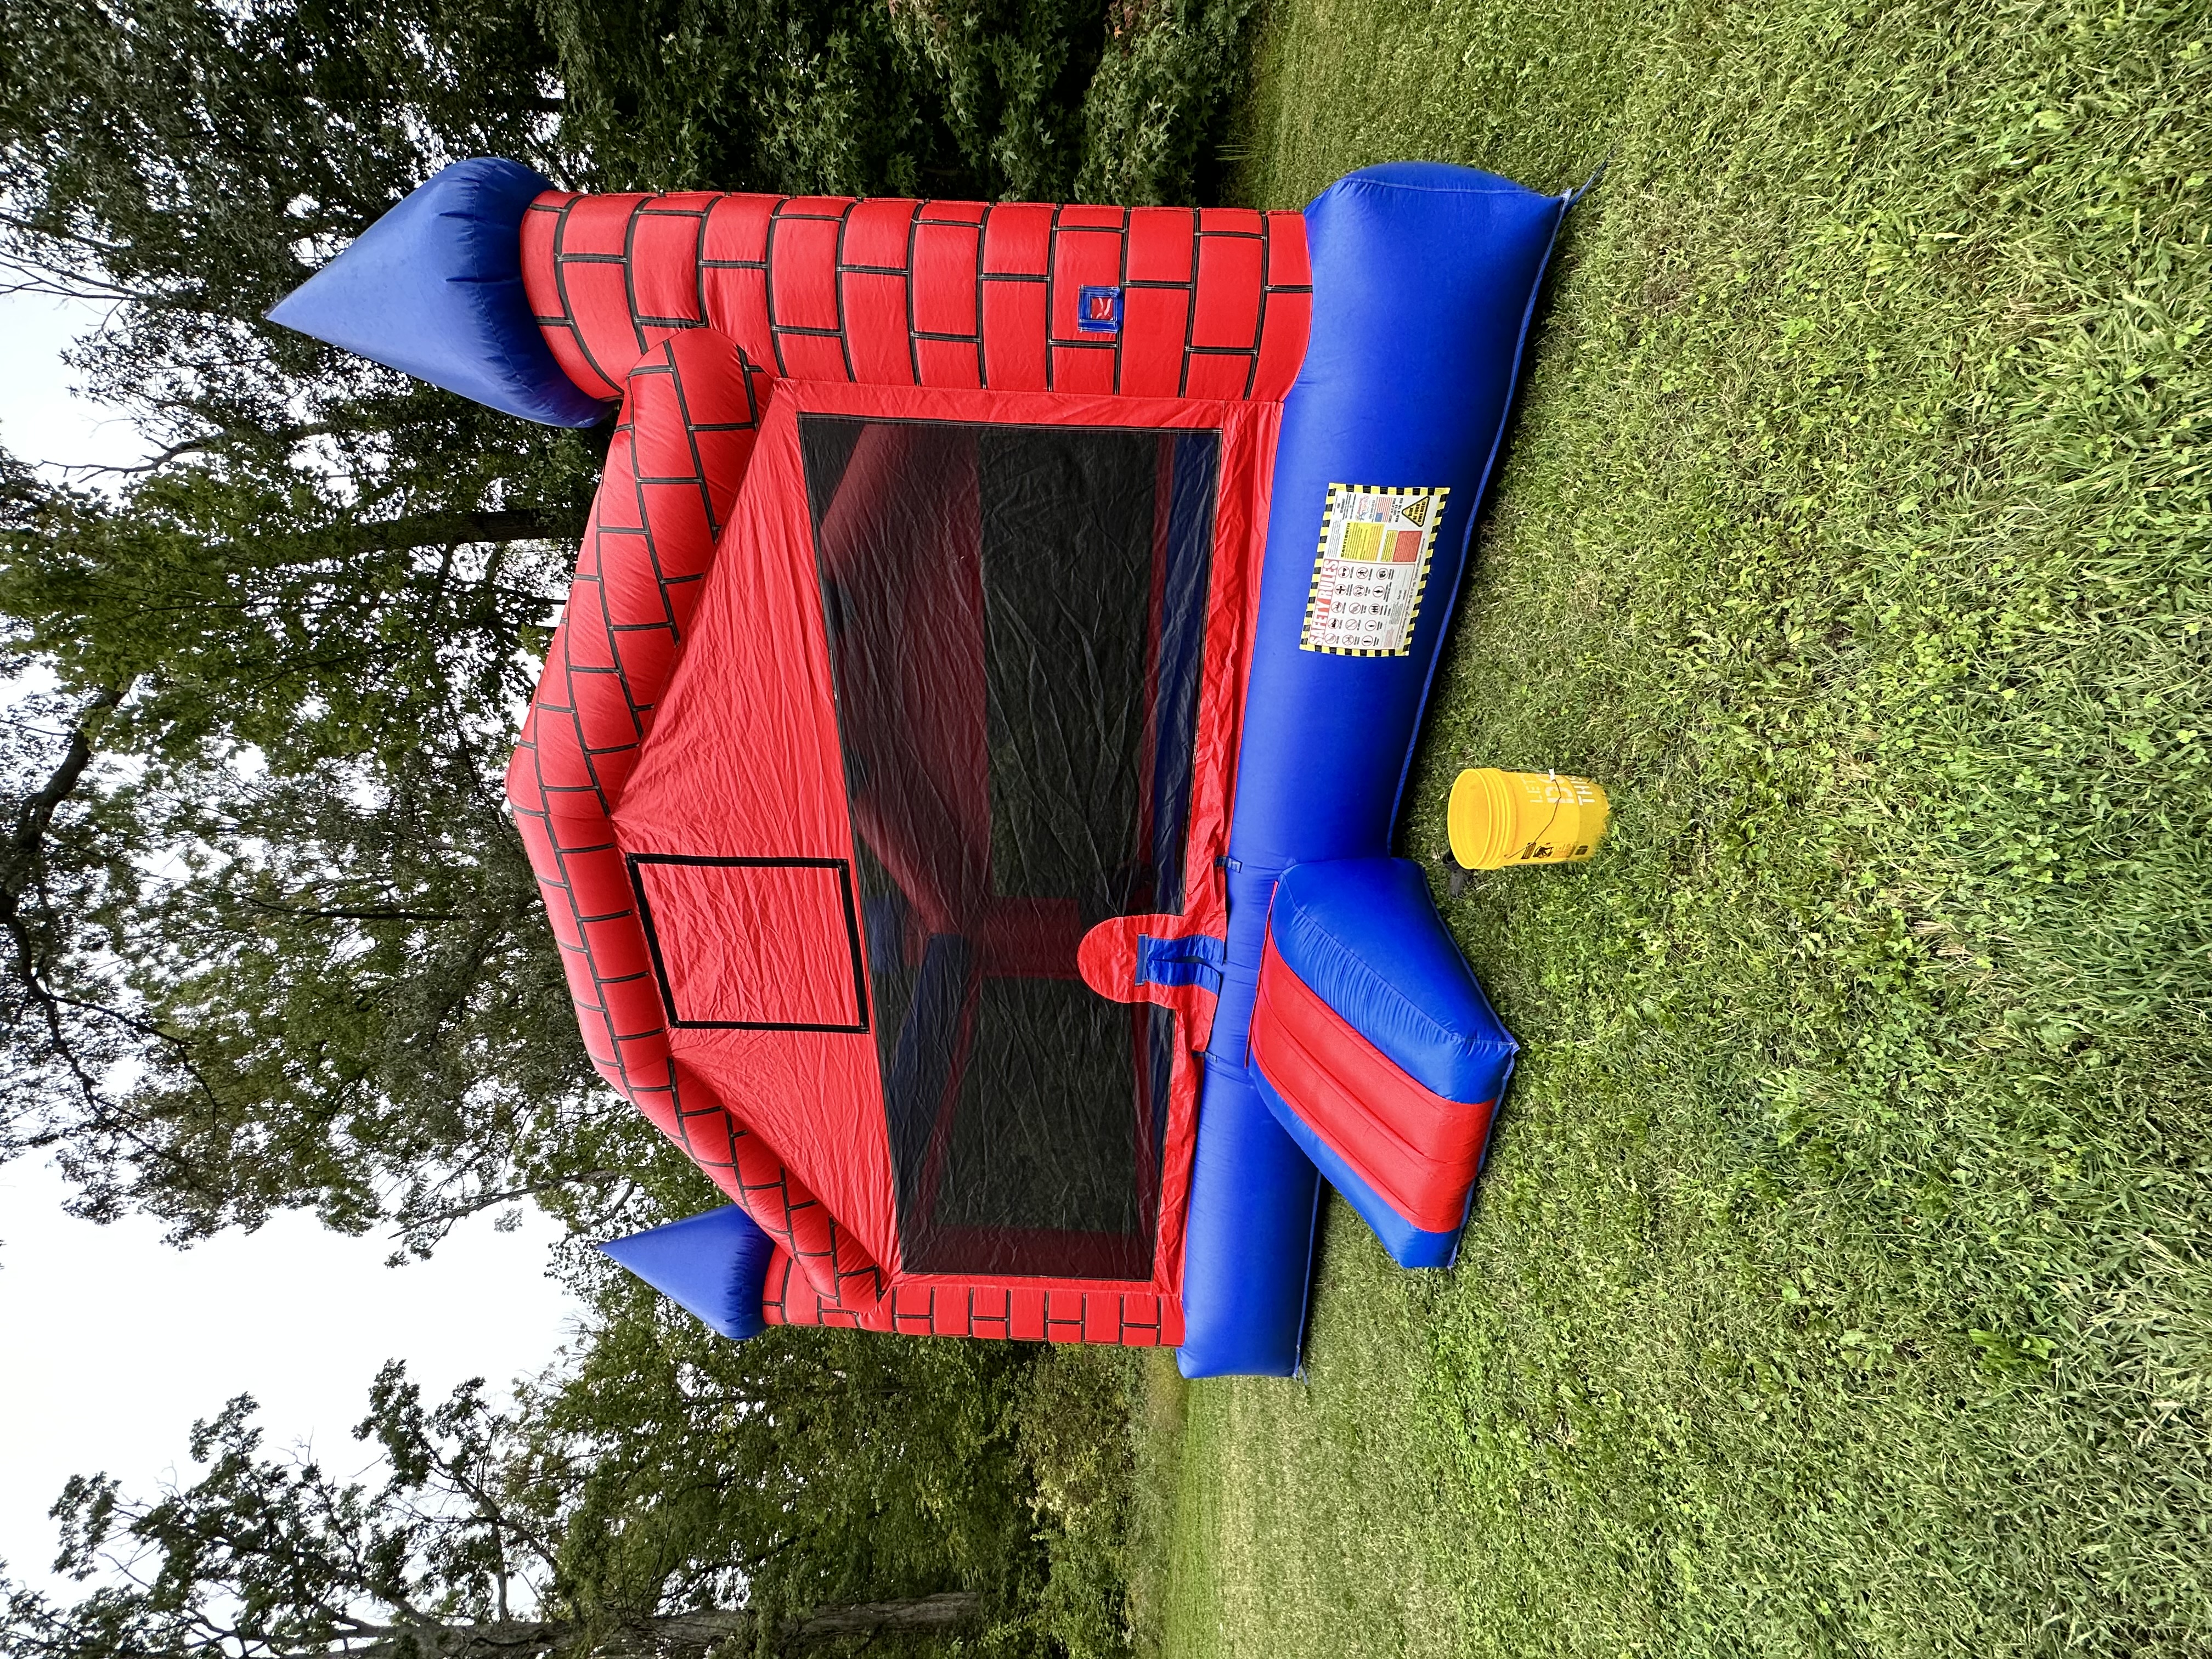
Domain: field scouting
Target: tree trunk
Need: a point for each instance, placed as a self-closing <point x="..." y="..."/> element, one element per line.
<point x="514" y="524"/>
<point x="944" y="1612"/>
<point x="511" y="524"/>
<point x="674" y="1636"/>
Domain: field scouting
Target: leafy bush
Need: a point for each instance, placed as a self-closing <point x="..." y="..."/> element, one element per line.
<point x="798" y="95"/>
<point x="1012" y="75"/>
<point x="1074" y="1420"/>
<point x="1039" y="99"/>
<point x="1165" y="78"/>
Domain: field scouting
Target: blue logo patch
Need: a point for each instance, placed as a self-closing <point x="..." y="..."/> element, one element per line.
<point x="1098" y="310"/>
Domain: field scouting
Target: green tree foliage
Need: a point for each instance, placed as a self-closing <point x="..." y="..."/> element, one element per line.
<point x="1014" y="74"/>
<point x="194" y="162"/>
<point x="1074" y="1420"/>
<point x="833" y="1465"/>
<point x="1031" y="100"/>
<point x="265" y="920"/>
<point x="675" y="1495"/>
<point x="265" y="923"/>
<point x="291" y="899"/>
<point x="1156" y="100"/>
<point x="795" y="96"/>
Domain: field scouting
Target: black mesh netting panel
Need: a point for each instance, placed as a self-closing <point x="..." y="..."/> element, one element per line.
<point x="1015" y="618"/>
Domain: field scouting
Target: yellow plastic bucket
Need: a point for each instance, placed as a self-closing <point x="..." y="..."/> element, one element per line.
<point x="1501" y="818"/>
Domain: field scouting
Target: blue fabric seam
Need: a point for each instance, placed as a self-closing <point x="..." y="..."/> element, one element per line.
<point x="1490" y="1129"/>
<point x="1362" y="183"/>
<point x="1194" y="959"/>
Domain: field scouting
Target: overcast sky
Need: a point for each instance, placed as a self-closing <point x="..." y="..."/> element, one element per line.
<point x="110" y="1342"/>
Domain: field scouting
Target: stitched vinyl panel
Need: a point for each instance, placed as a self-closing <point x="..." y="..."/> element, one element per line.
<point x="894" y="292"/>
<point x="671" y="479"/>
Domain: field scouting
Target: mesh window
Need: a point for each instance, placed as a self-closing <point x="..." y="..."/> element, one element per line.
<point x="1016" y="619"/>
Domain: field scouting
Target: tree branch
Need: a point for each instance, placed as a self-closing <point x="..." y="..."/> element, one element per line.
<point x="28" y="833"/>
<point x="517" y="524"/>
<point x="225" y="436"/>
<point x="370" y="912"/>
<point x="19" y="857"/>
<point x="466" y="1207"/>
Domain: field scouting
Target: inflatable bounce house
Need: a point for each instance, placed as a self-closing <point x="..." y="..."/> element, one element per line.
<point x="962" y="780"/>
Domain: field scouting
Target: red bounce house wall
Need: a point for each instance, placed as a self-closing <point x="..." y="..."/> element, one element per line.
<point x="721" y="323"/>
<point x="964" y="778"/>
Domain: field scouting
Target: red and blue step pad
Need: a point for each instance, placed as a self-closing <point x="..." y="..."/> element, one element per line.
<point x="1376" y="1050"/>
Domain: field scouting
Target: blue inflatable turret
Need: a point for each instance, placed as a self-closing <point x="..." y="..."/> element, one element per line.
<point x="434" y="289"/>
<point x="713" y="1265"/>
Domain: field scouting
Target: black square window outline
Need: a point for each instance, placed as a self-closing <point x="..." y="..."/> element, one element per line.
<point x="844" y="869"/>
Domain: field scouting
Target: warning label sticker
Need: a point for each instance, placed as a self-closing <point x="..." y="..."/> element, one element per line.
<point x="1371" y="569"/>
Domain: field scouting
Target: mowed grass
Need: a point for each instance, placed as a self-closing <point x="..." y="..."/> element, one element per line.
<point x="1841" y="1281"/>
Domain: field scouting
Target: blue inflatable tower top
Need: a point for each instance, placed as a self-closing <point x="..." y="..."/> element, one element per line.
<point x="435" y="290"/>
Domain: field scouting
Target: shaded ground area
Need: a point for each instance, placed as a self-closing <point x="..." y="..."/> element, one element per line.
<point x="1839" y="1282"/>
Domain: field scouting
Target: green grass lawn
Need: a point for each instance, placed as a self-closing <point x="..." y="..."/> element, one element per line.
<point x="1841" y="1281"/>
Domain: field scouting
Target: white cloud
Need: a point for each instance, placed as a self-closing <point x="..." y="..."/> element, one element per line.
<point x="115" y="1342"/>
<point x="111" y="1341"/>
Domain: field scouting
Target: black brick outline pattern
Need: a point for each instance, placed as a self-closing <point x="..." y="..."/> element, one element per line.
<point x="640" y="325"/>
<point x="802" y="1226"/>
